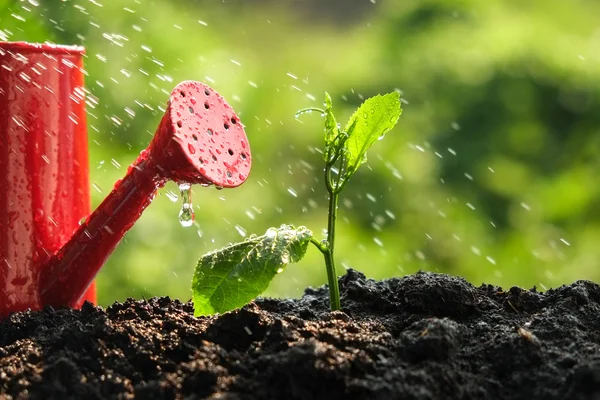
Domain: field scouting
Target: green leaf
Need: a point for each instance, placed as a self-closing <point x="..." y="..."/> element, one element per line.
<point x="371" y="121"/>
<point x="231" y="277"/>
<point x="331" y="128"/>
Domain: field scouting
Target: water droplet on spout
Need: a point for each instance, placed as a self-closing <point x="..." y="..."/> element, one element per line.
<point x="186" y="215"/>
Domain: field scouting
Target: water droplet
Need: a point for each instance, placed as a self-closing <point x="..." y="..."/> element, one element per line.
<point x="186" y="215"/>
<point x="285" y="258"/>
<point x="565" y="241"/>
<point x="302" y="112"/>
<point x="172" y="196"/>
<point x="241" y="230"/>
<point x="271" y="233"/>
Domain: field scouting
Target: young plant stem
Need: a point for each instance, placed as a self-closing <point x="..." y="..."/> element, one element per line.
<point x="333" y="188"/>
<point x="334" y="290"/>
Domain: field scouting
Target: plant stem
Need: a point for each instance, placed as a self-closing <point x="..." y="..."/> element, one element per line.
<point x="334" y="290"/>
<point x="321" y="247"/>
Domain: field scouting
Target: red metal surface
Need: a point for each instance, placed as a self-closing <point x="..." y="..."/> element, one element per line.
<point x="44" y="183"/>
<point x="199" y="140"/>
<point x="204" y="141"/>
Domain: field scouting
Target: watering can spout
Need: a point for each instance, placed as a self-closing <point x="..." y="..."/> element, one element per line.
<point x="200" y="140"/>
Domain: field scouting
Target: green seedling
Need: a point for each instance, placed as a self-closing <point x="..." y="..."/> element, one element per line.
<point x="231" y="277"/>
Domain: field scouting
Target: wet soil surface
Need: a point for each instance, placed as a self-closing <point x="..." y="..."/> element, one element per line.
<point x="423" y="336"/>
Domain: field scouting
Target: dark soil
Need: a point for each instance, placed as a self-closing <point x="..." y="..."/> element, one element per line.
<point x="424" y="336"/>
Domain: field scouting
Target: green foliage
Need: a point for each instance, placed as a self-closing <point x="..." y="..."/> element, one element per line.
<point x="370" y="122"/>
<point x="234" y="275"/>
<point x="332" y="130"/>
<point x="345" y="151"/>
<point x="228" y="278"/>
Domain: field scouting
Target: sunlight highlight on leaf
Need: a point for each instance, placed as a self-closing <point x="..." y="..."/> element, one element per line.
<point x="371" y="121"/>
<point x="331" y="127"/>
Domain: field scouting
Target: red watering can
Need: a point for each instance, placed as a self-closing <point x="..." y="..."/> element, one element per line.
<point x="46" y="256"/>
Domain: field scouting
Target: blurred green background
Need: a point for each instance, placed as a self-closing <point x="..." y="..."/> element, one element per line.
<point x="490" y="174"/>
